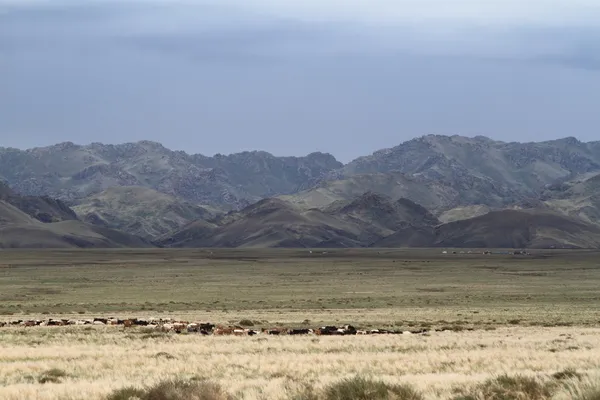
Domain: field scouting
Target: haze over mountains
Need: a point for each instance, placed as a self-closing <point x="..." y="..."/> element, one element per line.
<point x="430" y="191"/>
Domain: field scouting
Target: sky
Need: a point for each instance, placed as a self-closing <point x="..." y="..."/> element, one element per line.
<point x="292" y="77"/>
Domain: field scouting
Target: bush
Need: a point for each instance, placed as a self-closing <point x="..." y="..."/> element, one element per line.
<point x="568" y="373"/>
<point x="164" y="354"/>
<point x="509" y="388"/>
<point x="246" y="322"/>
<point x="127" y="393"/>
<point x="173" y="390"/>
<point x="365" y="389"/>
<point x="53" y="375"/>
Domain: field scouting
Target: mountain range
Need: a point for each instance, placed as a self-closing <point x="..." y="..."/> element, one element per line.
<point x="447" y="191"/>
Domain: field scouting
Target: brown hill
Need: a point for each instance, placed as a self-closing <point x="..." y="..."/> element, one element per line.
<point x="269" y="223"/>
<point x="30" y="226"/>
<point x="502" y="229"/>
<point x="276" y="223"/>
<point x="380" y="216"/>
<point x="42" y="208"/>
<point x="66" y="234"/>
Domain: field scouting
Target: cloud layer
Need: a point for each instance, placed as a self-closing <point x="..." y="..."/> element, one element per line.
<point x="296" y="76"/>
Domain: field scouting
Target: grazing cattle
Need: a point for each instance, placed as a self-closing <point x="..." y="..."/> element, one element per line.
<point x="327" y="330"/>
<point x="299" y="331"/>
<point x="349" y="330"/>
<point x="220" y="330"/>
<point x="169" y="324"/>
<point x="275" y="331"/>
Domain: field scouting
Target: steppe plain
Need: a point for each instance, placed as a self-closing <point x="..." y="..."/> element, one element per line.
<point x="524" y="326"/>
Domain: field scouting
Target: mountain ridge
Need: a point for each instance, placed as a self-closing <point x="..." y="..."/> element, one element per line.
<point x="143" y="188"/>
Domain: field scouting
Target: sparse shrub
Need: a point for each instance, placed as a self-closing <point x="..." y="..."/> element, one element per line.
<point x="173" y="390"/>
<point x="509" y="388"/>
<point x="164" y="354"/>
<point x="365" y="389"/>
<point x="514" y="321"/>
<point x="53" y="375"/>
<point x="568" y="373"/>
<point x="127" y="393"/>
<point x="246" y="322"/>
<point x="185" y="390"/>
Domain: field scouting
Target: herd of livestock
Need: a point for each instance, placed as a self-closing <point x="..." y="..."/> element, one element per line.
<point x="203" y="328"/>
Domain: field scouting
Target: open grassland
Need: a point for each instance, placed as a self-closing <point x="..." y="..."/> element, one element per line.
<point x="534" y="317"/>
<point x="355" y="286"/>
<point x="93" y="362"/>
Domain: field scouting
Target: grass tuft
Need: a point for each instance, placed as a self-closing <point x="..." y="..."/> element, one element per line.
<point x="569" y="373"/>
<point x="590" y="393"/>
<point x="164" y="354"/>
<point x="359" y="388"/>
<point x="507" y="387"/>
<point x="128" y="393"/>
<point x="173" y="390"/>
<point x="54" y="375"/>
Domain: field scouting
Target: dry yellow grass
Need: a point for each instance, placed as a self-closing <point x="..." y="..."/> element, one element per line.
<point x="99" y="360"/>
<point x="532" y="316"/>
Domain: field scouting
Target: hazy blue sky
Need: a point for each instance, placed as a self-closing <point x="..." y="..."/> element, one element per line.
<point x="296" y="76"/>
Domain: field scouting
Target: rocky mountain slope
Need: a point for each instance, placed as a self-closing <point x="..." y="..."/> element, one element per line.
<point x="577" y="198"/>
<point x="139" y="211"/>
<point x="70" y="172"/>
<point x="32" y="222"/>
<point x="433" y="195"/>
<point x="484" y="171"/>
